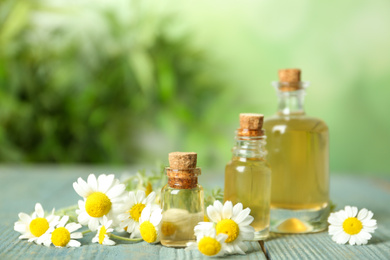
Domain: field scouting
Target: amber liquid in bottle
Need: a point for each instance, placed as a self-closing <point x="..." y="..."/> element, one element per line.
<point x="182" y="211"/>
<point x="248" y="175"/>
<point x="182" y="200"/>
<point x="247" y="181"/>
<point x="298" y="152"/>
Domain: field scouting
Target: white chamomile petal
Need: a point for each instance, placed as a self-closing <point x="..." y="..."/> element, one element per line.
<point x="76" y="235"/>
<point x="103" y="230"/>
<point x="79" y="190"/>
<point x="104" y="199"/>
<point x="93" y="223"/>
<point x="150" y="222"/>
<point x="213" y="214"/>
<point x="150" y="198"/>
<point x="39" y="210"/>
<point x="112" y="193"/>
<point x="218" y="205"/>
<point x="234" y="222"/>
<point x="63" y="221"/>
<point x="92" y="182"/>
<point x="156" y="217"/>
<point x="35" y="226"/>
<point x="24" y="217"/>
<point x="354" y="211"/>
<point x="61" y="236"/>
<point x="362" y="214"/>
<point x="237" y="209"/>
<point x="240" y="248"/>
<point x="207" y="242"/>
<point x="73" y="227"/>
<point x="247" y="221"/>
<point x="140" y="195"/>
<point x="74" y="243"/>
<point x="227" y="210"/>
<point x="351" y="226"/>
<point x="192" y="246"/>
<point x="242" y="215"/>
<point x="333" y="219"/>
<point x="133" y="205"/>
<point x="106" y="183"/>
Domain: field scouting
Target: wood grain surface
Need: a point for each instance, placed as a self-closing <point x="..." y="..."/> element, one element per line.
<point x="22" y="186"/>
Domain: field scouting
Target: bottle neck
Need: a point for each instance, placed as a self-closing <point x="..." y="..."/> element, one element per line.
<point x="291" y="97"/>
<point x="291" y="102"/>
<point x="249" y="147"/>
<point x="183" y="178"/>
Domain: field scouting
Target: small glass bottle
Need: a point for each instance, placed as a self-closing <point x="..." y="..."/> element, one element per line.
<point x="248" y="175"/>
<point x="298" y="153"/>
<point x="182" y="200"/>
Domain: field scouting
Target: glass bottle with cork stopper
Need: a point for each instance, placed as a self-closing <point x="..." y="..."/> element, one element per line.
<point x="248" y="175"/>
<point x="182" y="200"/>
<point x="298" y="151"/>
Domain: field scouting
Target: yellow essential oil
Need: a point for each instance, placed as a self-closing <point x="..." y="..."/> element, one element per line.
<point x="182" y="200"/>
<point x="248" y="175"/>
<point x="298" y="152"/>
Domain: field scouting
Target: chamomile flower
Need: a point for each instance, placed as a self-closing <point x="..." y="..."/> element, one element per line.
<point x="101" y="235"/>
<point x="34" y="226"/>
<point x="208" y="242"/>
<point x="133" y="206"/>
<point x="102" y="197"/>
<point x="150" y="222"/>
<point x="62" y="235"/>
<point x="350" y="226"/>
<point x="232" y="221"/>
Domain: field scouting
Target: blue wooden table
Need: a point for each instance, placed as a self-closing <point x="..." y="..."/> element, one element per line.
<point x="22" y="186"/>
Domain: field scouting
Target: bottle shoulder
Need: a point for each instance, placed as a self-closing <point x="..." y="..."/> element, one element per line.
<point x="168" y="188"/>
<point x="247" y="162"/>
<point x="294" y="123"/>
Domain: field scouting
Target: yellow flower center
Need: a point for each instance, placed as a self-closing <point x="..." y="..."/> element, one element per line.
<point x="149" y="189"/>
<point x="352" y="226"/>
<point x="209" y="246"/>
<point x="168" y="228"/>
<point x="102" y="233"/>
<point x="228" y="227"/>
<point x="136" y="210"/>
<point x="60" y="237"/>
<point x="148" y="232"/>
<point x="97" y="204"/>
<point x="205" y="218"/>
<point x="39" y="226"/>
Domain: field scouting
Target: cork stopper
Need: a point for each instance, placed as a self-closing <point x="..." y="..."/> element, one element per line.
<point x="289" y="79"/>
<point x="182" y="160"/>
<point x="290" y="75"/>
<point x="182" y="172"/>
<point x="251" y="124"/>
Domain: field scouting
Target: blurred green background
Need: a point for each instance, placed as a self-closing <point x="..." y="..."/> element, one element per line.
<point x="127" y="82"/>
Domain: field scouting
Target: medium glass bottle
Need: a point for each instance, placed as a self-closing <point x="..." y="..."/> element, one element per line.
<point x="182" y="200"/>
<point x="298" y="151"/>
<point x="248" y="176"/>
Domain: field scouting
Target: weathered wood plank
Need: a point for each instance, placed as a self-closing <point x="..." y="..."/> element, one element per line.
<point x="22" y="187"/>
<point x="345" y="190"/>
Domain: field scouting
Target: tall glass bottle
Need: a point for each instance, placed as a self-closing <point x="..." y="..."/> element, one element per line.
<point x="298" y="151"/>
<point x="248" y="176"/>
<point x="182" y="200"/>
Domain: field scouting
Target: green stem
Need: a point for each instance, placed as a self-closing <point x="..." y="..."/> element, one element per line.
<point x="124" y="238"/>
<point x="73" y="207"/>
<point x="86" y="232"/>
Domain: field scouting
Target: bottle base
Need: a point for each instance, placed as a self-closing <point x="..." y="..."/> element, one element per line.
<point x="299" y="221"/>
<point x="261" y="234"/>
<point x="176" y="243"/>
